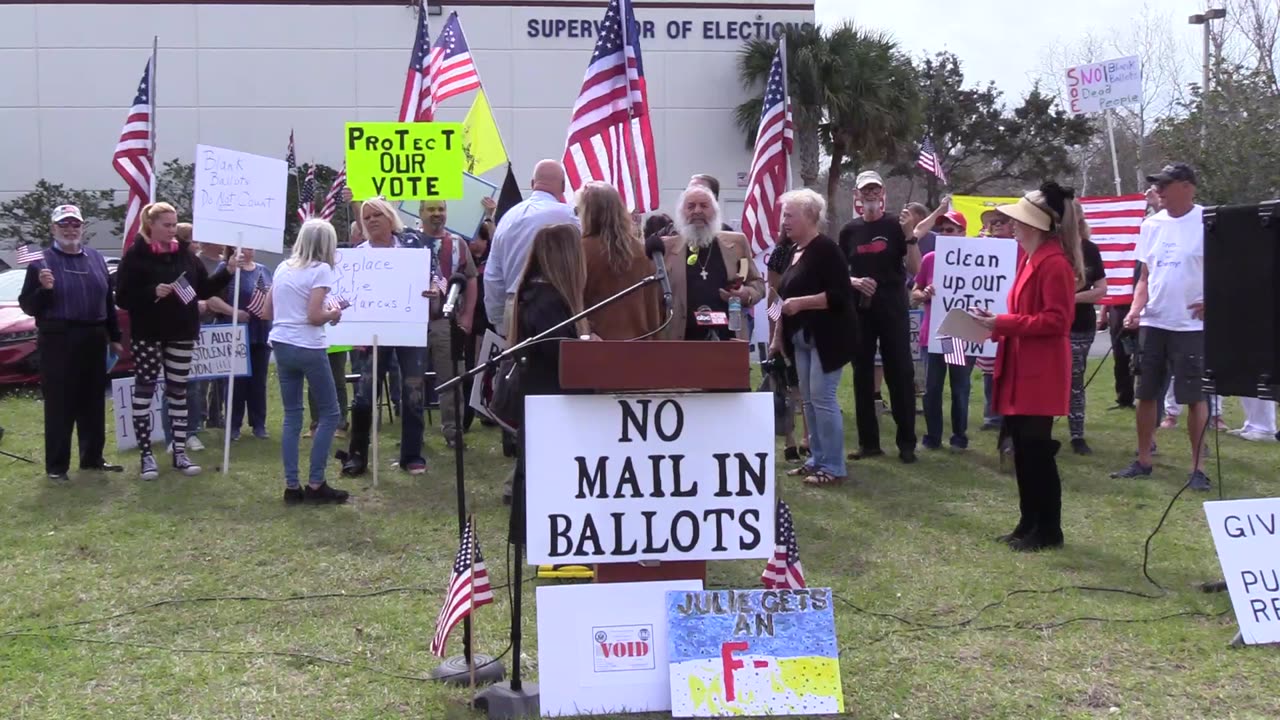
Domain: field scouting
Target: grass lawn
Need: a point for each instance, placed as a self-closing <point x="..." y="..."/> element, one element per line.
<point x="914" y="541"/>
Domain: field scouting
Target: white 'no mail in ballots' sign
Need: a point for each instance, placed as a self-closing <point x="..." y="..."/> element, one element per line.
<point x="1247" y="536"/>
<point x="653" y="477"/>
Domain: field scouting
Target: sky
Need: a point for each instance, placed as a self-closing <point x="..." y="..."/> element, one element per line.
<point x="1013" y="58"/>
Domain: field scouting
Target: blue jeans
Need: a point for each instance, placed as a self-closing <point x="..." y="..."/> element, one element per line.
<point x="821" y="408"/>
<point x="295" y="364"/>
<point x="935" y="373"/>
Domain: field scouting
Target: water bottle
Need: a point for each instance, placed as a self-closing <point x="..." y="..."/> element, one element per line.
<point x="735" y="314"/>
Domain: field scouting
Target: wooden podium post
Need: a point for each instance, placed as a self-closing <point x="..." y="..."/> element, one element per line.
<point x="655" y="367"/>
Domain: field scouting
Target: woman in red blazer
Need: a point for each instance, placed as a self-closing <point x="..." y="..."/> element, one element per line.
<point x="1033" y="359"/>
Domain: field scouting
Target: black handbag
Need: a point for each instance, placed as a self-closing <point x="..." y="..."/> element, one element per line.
<point x="507" y="404"/>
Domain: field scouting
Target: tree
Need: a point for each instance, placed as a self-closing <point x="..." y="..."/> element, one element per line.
<point x="25" y="219"/>
<point x="986" y="148"/>
<point x="176" y="185"/>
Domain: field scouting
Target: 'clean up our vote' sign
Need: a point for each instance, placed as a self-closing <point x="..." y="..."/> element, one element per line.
<point x="1246" y="534"/>
<point x="971" y="273"/>
<point x="384" y="287"/>
<point x="122" y="413"/>
<point x="683" y="477"/>
<point x="1105" y="85"/>
<point x="222" y="350"/>
<point x="239" y="198"/>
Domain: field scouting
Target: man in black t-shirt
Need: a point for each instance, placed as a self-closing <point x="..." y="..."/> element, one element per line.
<point x="880" y="257"/>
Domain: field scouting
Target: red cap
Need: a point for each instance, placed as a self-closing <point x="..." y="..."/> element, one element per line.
<point x="956" y="217"/>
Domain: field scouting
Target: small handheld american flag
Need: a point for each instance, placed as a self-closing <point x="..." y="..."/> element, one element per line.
<point x="952" y="350"/>
<point x="334" y="302"/>
<point x="28" y="254"/>
<point x="183" y="290"/>
<point x="783" y="569"/>
<point x="468" y="588"/>
<point x="930" y="161"/>
<point x="775" y="311"/>
<point x="257" y="306"/>
<point x="440" y="284"/>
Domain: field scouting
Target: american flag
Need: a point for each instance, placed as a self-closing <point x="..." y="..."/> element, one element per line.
<point x="334" y="196"/>
<point x="307" y="196"/>
<point x="415" y="104"/>
<point x="610" y="138"/>
<point x="28" y="254"/>
<point x="258" y="301"/>
<point x="450" y="70"/>
<point x="440" y="284"/>
<point x="952" y="350"/>
<point x="333" y="301"/>
<point x="772" y="161"/>
<point x="1114" y="223"/>
<point x="185" y="292"/>
<point x="468" y="588"/>
<point x="930" y="161"/>
<point x="133" y="156"/>
<point x="291" y="159"/>
<point x="783" y="569"/>
<point x="775" y="311"/>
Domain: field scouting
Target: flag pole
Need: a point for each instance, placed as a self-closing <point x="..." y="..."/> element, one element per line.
<point x="377" y="414"/>
<point x="231" y="374"/>
<point x="471" y="626"/>
<point x="786" y="98"/>
<point x="151" y="95"/>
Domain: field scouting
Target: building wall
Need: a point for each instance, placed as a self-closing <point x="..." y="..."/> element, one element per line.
<point x="242" y="75"/>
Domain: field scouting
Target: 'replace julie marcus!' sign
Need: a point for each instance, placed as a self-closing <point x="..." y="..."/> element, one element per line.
<point x="628" y="478"/>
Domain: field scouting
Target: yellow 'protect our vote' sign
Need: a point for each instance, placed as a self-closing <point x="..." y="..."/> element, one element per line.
<point x="405" y="161"/>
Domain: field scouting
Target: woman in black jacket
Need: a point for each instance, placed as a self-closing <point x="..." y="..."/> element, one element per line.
<point x="158" y="283"/>
<point x="817" y="315"/>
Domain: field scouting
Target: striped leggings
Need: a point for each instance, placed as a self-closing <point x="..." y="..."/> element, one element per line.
<point x="155" y="360"/>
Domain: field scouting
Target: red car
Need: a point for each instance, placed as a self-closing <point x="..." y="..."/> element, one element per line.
<point x="19" y="359"/>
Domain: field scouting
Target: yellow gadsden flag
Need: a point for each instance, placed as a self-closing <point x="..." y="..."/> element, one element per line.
<point x="482" y="143"/>
<point x="972" y="207"/>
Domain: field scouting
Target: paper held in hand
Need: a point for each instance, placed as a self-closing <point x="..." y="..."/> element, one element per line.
<point x="959" y="323"/>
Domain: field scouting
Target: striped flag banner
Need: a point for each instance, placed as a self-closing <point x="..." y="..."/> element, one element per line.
<point x="775" y="311"/>
<point x="182" y="288"/>
<point x="952" y="350"/>
<point x="28" y="254"/>
<point x="1114" y="223"/>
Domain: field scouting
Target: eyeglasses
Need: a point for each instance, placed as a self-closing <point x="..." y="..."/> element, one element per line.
<point x="69" y="223"/>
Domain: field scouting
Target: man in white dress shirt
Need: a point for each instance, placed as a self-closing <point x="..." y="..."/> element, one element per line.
<point x="514" y="237"/>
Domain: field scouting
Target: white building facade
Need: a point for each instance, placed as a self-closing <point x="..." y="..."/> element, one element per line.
<point x="242" y="75"/>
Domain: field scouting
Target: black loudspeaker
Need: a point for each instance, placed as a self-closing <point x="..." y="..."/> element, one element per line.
<point x="1242" y="299"/>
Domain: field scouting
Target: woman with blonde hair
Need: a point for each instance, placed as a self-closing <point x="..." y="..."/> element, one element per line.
<point x="1033" y="356"/>
<point x="615" y="261"/>
<point x="301" y="306"/>
<point x="158" y="282"/>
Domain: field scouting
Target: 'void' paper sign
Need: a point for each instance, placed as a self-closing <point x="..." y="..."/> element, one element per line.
<point x="1246" y="534"/>
<point x="240" y="197"/>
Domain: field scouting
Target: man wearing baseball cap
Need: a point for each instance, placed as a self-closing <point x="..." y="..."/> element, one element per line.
<point x="1168" y="313"/>
<point x="68" y="291"/>
<point x="880" y="256"/>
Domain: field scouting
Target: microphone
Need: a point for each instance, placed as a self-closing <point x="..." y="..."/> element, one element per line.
<point x="657" y="250"/>
<point x="456" y="283"/>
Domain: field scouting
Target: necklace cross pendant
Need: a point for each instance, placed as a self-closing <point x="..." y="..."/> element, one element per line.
<point x="703" y="273"/>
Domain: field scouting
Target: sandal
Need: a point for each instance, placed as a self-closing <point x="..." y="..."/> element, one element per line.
<point x="822" y="478"/>
<point x="802" y="471"/>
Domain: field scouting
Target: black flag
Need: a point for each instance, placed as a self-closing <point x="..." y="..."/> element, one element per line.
<point x="509" y="196"/>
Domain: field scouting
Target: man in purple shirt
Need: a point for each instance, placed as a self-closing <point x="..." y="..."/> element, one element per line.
<point x="69" y="293"/>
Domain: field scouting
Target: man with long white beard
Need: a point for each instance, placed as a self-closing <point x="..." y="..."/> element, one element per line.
<point x="708" y="267"/>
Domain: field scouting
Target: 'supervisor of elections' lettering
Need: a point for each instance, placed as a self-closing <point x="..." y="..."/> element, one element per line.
<point x="662" y="477"/>
<point x="748" y="27"/>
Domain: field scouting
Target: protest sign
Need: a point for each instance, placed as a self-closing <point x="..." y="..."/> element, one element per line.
<point x="650" y="477"/>
<point x="405" y="161"/>
<point x="122" y="413"/>
<point x="753" y="653"/>
<point x="482" y="385"/>
<point x="239" y="198"/>
<point x="603" y="648"/>
<point x="971" y="273"/>
<point x="384" y="287"/>
<point x="1246" y="534"/>
<point x="465" y="215"/>
<point x="915" y="319"/>
<point x="1105" y="85"/>
<point x="221" y="351"/>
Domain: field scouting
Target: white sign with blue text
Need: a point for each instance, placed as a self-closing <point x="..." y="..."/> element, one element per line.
<point x="385" y="287"/>
<point x="239" y="198"/>
<point x="970" y="272"/>
<point x="221" y="351"/>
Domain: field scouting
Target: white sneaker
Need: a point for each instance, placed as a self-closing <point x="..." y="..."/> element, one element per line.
<point x="1256" y="436"/>
<point x="1237" y="432"/>
<point x="194" y="444"/>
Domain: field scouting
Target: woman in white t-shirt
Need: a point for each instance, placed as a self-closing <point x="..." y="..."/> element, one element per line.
<point x="301" y="305"/>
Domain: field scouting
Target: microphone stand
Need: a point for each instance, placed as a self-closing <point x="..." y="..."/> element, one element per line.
<point x="516" y="699"/>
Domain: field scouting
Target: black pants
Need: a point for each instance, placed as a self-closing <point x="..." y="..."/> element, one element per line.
<point x="251" y="392"/>
<point x="885" y="322"/>
<point x="1123" y="360"/>
<point x="73" y="378"/>
<point x="1039" y="485"/>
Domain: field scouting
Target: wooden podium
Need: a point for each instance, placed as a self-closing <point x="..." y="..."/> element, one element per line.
<point x="660" y="366"/>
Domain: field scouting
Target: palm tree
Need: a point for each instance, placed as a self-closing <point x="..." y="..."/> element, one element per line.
<point x="853" y="93"/>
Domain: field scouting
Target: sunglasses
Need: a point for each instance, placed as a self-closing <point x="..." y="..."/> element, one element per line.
<point x="69" y="223"/>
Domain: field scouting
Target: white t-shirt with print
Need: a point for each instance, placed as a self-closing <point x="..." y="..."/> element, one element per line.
<point x="290" y="291"/>
<point x="1173" y="251"/>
